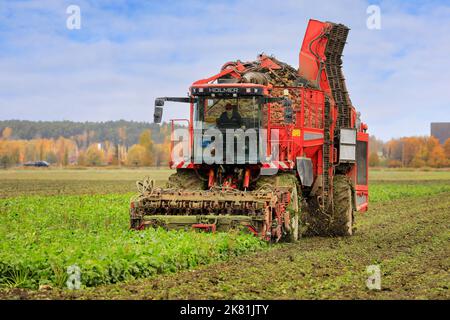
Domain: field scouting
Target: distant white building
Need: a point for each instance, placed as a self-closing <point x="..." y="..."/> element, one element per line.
<point x="440" y="130"/>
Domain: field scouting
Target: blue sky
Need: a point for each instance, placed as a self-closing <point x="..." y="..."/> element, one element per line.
<point x="129" y="52"/>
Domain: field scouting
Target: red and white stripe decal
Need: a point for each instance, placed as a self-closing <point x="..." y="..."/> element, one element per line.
<point x="272" y="165"/>
<point x="182" y="165"/>
<point x="279" y="165"/>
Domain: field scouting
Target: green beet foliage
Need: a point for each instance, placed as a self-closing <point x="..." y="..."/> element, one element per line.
<point x="387" y="191"/>
<point x="42" y="236"/>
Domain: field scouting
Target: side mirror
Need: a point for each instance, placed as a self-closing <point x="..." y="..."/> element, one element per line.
<point x="159" y="102"/>
<point x="288" y="112"/>
<point x="157" y="115"/>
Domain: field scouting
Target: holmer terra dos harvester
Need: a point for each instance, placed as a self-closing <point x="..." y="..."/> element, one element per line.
<point x="316" y="181"/>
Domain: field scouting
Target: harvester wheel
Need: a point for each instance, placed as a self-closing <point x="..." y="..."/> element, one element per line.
<point x="295" y="215"/>
<point x="185" y="179"/>
<point x="337" y="221"/>
<point x="285" y="180"/>
<point x="342" y="216"/>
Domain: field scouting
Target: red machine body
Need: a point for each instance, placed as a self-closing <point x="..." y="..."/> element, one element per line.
<point x="304" y="137"/>
<point x="311" y="168"/>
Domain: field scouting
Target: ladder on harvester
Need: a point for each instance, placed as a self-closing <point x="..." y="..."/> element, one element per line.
<point x="327" y="161"/>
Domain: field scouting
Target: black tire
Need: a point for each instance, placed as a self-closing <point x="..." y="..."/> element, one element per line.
<point x="342" y="215"/>
<point x="338" y="221"/>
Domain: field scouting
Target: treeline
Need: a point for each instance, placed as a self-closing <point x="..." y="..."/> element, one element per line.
<point x="101" y="145"/>
<point x="149" y="149"/>
<point x="82" y="133"/>
<point x="410" y="152"/>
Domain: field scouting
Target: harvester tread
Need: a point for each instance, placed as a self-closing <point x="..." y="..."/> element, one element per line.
<point x="342" y="217"/>
<point x="338" y="219"/>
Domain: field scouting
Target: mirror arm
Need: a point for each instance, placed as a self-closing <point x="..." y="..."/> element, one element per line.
<point x="159" y="103"/>
<point x="176" y="99"/>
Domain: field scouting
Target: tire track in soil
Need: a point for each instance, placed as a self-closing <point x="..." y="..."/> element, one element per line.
<point x="408" y="238"/>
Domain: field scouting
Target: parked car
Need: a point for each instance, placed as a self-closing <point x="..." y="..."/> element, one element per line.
<point x="37" y="164"/>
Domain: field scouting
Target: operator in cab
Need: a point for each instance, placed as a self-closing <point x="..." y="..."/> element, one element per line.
<point x="230" y="118"/>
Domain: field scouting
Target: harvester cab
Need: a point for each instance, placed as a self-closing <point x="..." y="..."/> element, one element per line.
<point x="229" y="124"/>
<point x="273" y="150"/>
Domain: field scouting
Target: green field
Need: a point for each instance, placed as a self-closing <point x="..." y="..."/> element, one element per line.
<point x="43" y="235"/>
<point x="409" y="175"/>
<point x="86" y="174"/>
<point x="52" y="219"/>
<point x="83" y="181"/>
